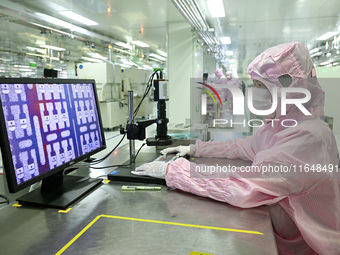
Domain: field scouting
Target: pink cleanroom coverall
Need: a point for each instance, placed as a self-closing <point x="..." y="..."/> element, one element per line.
<point x="304" y="208"/>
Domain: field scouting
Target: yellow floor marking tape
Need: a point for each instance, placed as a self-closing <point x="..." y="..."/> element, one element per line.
<point x="199" y="253"/>
<point x="17" y="204"/>
<point x="78" y="235"/>
<point x="152" y="221"/>
<point x="183" y="224"/>
<point x="65" y="211"/>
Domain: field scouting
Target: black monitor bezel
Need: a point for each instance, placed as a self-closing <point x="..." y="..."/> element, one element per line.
<point x="5" y="146"/>
<point x="50" y="73"/>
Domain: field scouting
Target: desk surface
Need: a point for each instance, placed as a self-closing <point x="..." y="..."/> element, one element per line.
<point x="112" y="221"/>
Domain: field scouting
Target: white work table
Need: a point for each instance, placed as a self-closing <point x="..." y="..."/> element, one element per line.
<point x="112" y="221"/>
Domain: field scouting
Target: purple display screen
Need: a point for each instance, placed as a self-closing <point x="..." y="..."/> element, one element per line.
<point x="49" y="125"/>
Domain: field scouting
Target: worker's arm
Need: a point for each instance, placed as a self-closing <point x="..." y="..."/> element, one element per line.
<point x="239" y="148"/>
<point x="237" y="191"/>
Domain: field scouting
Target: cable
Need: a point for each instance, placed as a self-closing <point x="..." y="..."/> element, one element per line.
<point x="6" y="199"/>
<point x="97" y="161"/>
<point x="148" y="87"/>
<point x="134" y="159"/>
<point x="146" y="92"/>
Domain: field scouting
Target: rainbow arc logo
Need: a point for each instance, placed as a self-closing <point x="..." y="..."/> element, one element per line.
<point x="204" y="97"/>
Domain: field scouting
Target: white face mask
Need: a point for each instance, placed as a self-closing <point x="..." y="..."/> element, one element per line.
<point x="262" y="99"/>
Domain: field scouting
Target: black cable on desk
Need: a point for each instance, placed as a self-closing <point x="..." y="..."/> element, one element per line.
<point x="146" y="92"/>
<point x="134" y="160"/>
<point x="97" y="161"/>
<point x="6" y="199"/>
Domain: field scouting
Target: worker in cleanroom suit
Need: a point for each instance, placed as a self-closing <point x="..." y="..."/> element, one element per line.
<point x="304" y="205"/>
<point x="220" y="78"/>
<point x="229" y="80"/>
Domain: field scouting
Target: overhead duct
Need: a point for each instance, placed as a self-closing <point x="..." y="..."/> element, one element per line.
<point x="193" y="14"/>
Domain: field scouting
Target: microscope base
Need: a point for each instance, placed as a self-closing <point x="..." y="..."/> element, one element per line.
<point x="158" y="142"/>
<point x="124" y="173"/>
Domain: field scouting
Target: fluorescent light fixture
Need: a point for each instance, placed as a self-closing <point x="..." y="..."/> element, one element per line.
<point x="229" y="53"/>
<point x="157" y="56"/>
<point x="140" y="44"/>
<point x="326" y="36"/>
<point x="124" y="45"/>
<point x="124" y="51"/>
<point x="76" y="17"/>
<point x="52" y="47"/>
<point x="25" y="70"/>
<point x="96" y="55"/>
<point x="155" y="59"/>
<point x="127" y="62"/>
<point x="36" y="49"/>
<point x="35" y="55"/>
<point x="162" y="53"/>
<point x="216" y="8"/>
<point x="324" y="63"/>
<point x="61" y="23"/>
<point x="124" y="65"/>
<point x="54" y="58"/>
<point x="225" y="40"/>
<point x="92" y="59"/>
<point x="52" y="29"/>
<point x="21" y="66"/>
<point x="147" y="67"/>
<point x="315" y="50"/>
<point x="316" y="54"/>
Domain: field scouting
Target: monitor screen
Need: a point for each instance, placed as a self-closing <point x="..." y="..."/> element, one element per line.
<point x="46" y="126"/>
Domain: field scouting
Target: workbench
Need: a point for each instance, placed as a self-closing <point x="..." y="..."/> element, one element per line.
<point x="111" y="221"/>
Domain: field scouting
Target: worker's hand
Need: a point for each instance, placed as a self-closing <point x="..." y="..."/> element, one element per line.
<point x="155" y="169"/>
<point x="180" y="150"/>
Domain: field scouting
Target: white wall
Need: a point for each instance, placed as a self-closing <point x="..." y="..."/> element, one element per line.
<point x="329" y="79"/>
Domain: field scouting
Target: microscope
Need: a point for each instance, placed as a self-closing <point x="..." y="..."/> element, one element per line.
<point x="137" y="130"/>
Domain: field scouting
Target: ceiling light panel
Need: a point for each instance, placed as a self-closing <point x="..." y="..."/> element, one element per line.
<point x="326" y="36"/>
<point x="140" y="44"/>
<point x="162" y="53"/>
<point x="225" y="40"/>
<point x="229" y="53"/>
<point x="216" y="8"/>
<point x="124" y="45"/>
<point x="92" y="59"/>
<point x="76" y="17"/>
<point x="61" y="23"/>
<point x="157" y="56"/>
<point x="52" y="29"/>
<point x="52" y="47"/>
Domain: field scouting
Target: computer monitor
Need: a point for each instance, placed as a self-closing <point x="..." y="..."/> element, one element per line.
<point x="50" y="73"/>
<point x="47" y="126"/>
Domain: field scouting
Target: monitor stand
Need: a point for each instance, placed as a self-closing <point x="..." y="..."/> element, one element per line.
<point x="59" y="191"/>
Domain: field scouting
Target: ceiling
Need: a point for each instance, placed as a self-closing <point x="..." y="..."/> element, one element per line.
<point x="252" y="26"/>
